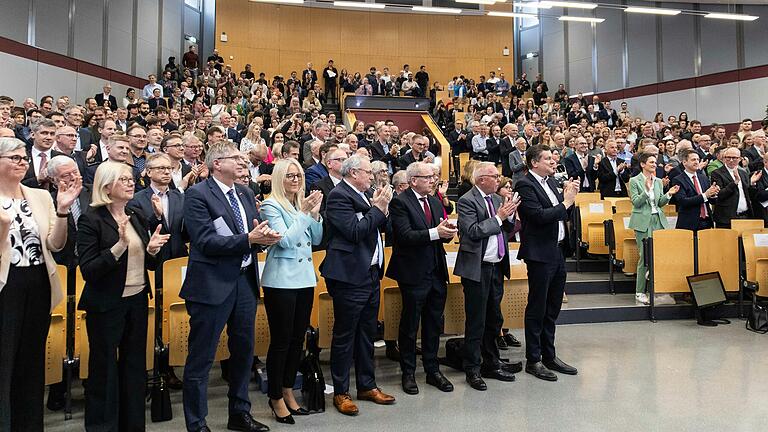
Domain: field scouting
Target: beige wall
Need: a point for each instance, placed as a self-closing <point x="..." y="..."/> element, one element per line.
<point x="277" y="39"/>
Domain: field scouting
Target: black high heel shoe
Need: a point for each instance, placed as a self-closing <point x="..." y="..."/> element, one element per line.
<point x="298" y="412"/>
<point x="285" y="420"/>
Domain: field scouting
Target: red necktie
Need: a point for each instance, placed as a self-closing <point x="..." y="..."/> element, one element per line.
<point x="703" y="210"/>
<point x="427" y="211"/>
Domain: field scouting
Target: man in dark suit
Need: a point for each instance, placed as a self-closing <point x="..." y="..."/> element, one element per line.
<point x="107" y="96"/>
<point x="43" y="136"/>
<point x="482" y="264"/>
<point x="695" y="195"/>
<point x="418" y="265"/>
<point x="493" y="144"/>
<point x="612" y="172"/>
<point x="733" y="200"/>
<point x="311" y="72"/>
<point x="516" y="159"/>
<point x="353" y="267"/>
<point x="544" y="212"/>
<point x="74" y="117"/>
<point x="319" y="170"/>
<point x="760" y="198"/>
<point x="325" y="185"/>
<point x="507" y="146"/>
<point x="418" y="152"/>
<point x="381" y="149"/>
<point x="221" y="286"/>
<point x="580" y="164"/>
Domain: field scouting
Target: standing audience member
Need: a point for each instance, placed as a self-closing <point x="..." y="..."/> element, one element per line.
<point x="32" y="226"/>
<point x="695" y="195"/>
<point x="115" y="252"/>
<point x="733" y="200"/>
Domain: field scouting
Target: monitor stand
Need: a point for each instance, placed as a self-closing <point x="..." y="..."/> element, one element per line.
<point x="703" y="319"/>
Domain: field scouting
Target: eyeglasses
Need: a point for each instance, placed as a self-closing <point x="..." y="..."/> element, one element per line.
<point x="341" y="159"/>
<point x="17" y="159"/>
<point x="369" y="172"/>
<point x="507" y="186"/>
<point x="229" y="157"/>
<point x="293" y="176"/>
<point x="174" y="146"/>
<point x="70" y="136"/>
<point x="126" y="180"/>
<point x="494" y="176"/>
<point x="161" y="168"/>
<point x="732" y="157"/>
<point x="425" y="177"/>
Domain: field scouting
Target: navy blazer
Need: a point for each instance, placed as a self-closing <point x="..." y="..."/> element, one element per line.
<point x="539" y="229"/>
<point x="173" y="222"/>
<point x="573" y="168"/>
<point x="215" y="259"/>
<point x="351" y="241"/>
<point x="688" y="201"/>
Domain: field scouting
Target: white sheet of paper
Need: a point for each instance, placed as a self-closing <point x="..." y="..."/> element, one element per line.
<point x="450" y="259"/>
<point x="626" y="223"/>
<point x="359" y="215"/>
<point x="513" y="257"/>
<point x="761" y="240"/>
<point x="221" y="227"/>
<point x="331" y="74"/>
<point x="596" y="208"/>
<point x="672" y="221"/>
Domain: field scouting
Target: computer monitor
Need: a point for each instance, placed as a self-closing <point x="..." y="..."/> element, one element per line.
<point x="707" y="289"/>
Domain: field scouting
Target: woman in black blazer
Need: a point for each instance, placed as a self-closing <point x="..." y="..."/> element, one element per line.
<point x="115" y="251"/>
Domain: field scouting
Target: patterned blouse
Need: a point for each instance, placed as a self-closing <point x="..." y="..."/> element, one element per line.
<point x="26" y="249"/>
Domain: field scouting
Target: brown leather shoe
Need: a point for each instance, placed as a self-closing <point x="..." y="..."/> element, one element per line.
<point x="343" y="403"/>
<point x="376" y="396"/>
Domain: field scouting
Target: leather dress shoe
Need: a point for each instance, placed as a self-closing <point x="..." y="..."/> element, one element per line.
<point x="476" y="382"/>
<point x="540" y="371"/>
<point x="343" y="403"/>
<point x="409" y="384"/>
<point x="558" y="365"/>
<point x="244" y="422"/>
<point x="512" y="367"/>
<point x="376" y="396"/>
<point x="439" y="380"/>
<point x="393" y="353"/>
<point x="204" y="429"/>
<point x="512" y="341"/>
<point x="501" y="343"/>
<point x="499" y="374"/>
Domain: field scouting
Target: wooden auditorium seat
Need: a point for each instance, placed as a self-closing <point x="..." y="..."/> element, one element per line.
<point x="672" y="260"/>
<point x="56" y="343"/>
<point x="741" y="225"/>
<point x="719" y="251"/>
<point x="591" y="229"/>
<point x="755" y="244"/>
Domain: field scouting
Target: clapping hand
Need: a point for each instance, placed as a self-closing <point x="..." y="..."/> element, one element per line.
<point x="263" y="234"/>
<point x="381" y="198"/>
<point x="756" y="177"/>
<point x="311" y="203"/>
<point x="506" y="209"/>
<point x="157" y="241"/>
<point x="5" y="219"/>
<point x="68" y="193"/>
<point x="673" y="190"/>
<point x="712" y="191"/>
<point x="157" y="206"/>
<point x="443" y="189"/>
<point x="446" y="230"/>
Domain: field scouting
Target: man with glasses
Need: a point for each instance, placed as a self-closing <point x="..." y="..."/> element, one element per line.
<point x="333" y="161"/>
<point x="419" y="266"/>
<point x="418" y="152"/>
<point x="182" y="175"/>
<point x="222" y="286"/>
<point x="118" y="149"/>
<point x="137" y="137"/>
<point x="193" y="148"/>
<point x="733" y="200"/>
<point x="482" y="263"/>
<point x="43" y="135"/>
<point x="74" y="117"/>
<point x="66" y="140"/>
<point x="319" y="170"/>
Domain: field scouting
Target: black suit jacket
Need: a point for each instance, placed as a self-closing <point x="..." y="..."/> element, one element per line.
<point x="506" y="146"/>
<point x="760" y="195"/>
<point x="728" y="197"/>
<point x="540" y="220"/>
<point x="689" y="202"/>
<point x="573" y="168"/>
<point x="493" y="145"/>
<point x="104" y="275"/>
<point x="607" y="178"/>
<point x="352" y="241"/>
<point x="755" y="160"/>
<point x="112" y="101"/>
<point x="377" y="153"/>
<point x="414" y="254"/>
<point x="30" y="179"/>
<point x="173" y="222"/>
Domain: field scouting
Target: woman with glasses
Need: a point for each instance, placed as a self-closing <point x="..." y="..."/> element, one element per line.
<point x="31" y="227"/>
<point x="289" y="280"/>
<point x="115" y="250"/>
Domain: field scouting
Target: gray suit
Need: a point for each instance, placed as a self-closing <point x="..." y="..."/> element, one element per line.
<point x="483" y="282"/>
<point x="516" y="165"/>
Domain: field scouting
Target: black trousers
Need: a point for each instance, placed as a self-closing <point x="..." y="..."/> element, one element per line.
<point x="25" y="316"/>
<point x="546" y="284"/>
<point x="288" y="313"/>
<point x="117" y="367"/>
<point x="423" y="303"/>
<point x="482" y="307"/>
<point x="356" y="309"/>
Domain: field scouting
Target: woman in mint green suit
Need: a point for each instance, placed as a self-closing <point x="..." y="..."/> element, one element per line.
<point x="648" y="198"/>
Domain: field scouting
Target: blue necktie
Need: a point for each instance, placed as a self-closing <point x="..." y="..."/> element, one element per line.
<point x="238" y="217"/>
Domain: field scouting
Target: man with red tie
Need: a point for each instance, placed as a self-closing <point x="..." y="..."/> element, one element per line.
<point x="695" y="195"/>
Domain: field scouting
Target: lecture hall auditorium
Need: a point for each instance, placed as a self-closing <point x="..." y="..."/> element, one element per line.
<point x="427" y="215"/>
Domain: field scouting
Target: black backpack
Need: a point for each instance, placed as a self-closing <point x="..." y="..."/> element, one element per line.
<point x="454" y="353"/>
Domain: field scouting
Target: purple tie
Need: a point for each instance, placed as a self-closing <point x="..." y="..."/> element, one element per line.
<point x="499" y="236"/>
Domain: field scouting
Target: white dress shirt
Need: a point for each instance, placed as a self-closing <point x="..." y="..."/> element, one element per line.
<point x="554" y="200"/>
<point x="742" y="206"/>
<point x="491" y="254"/>
<point x="225" y="190"/>
<point x="163" y="200"/>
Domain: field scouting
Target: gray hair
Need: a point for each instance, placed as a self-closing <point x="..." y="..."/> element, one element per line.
<point x="219" y="150"/>
<point x="8" y="145"/>
<point x="378" y="166"/>
<point x="43" y="123"/>
<point x="352" y="163"/>
<point x="414" y="169"/>
<point x="68" y="110"/>
<point x="57" y="162"/>
<point x="401" y="177"/>
<point x="479" y="167"/>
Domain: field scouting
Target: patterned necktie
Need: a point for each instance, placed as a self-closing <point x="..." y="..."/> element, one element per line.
<point x="499" y="236"/>
<point x="76" y="211"/>
<point x="139" y="163"/>
<point x="238" y="217"/>
<point x="427" y="211"/>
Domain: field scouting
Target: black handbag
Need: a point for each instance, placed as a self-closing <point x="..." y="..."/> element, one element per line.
<point x="160" y="395"/>
<point x="313" y="384"/>
<point x="757" y="319"/>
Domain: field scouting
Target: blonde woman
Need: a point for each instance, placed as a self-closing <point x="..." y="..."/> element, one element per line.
<point x="252" y="138"/>
<point x="289" y="280"/>
<point x="310" y="102"/>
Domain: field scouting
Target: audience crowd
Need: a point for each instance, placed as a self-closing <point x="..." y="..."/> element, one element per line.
<point x="132" y="176"/>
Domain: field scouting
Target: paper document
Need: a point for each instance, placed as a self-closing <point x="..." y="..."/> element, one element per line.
<point x="761" y="240"/>
<point x="221" y="227"/>
<point x="596" y="208"/>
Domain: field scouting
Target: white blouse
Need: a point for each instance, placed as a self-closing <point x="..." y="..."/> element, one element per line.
<point x="26" y="248"/>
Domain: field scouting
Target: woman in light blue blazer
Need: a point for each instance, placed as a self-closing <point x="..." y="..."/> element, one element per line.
<point x="648" y="198"/>
<point x="289" y="281"/>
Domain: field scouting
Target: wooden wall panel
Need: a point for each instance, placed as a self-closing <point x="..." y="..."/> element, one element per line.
<point x="277" y="39"/>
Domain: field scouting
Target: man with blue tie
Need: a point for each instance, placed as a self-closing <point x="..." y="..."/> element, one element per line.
<point x="221" y="286"/>
<point x="695" y="195"/>
<point x="353" y="267"/>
